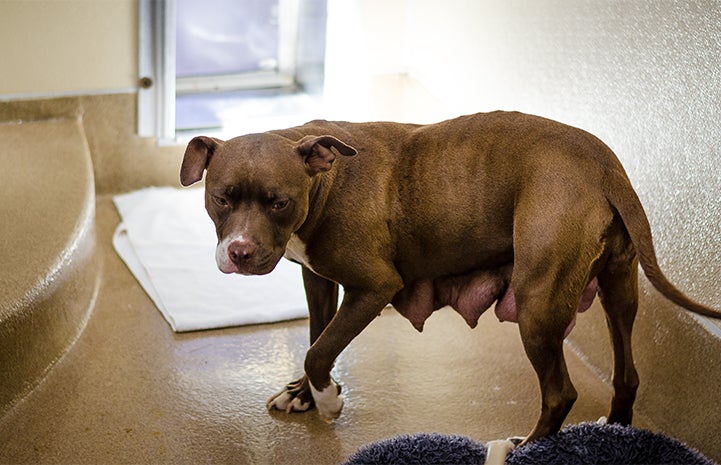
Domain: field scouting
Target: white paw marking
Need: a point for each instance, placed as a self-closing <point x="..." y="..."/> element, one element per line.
<point x="286" y="402"/>
<point x="279" y="401"/>
<point x="297" y="405"/>
<point x="328" y="401"/>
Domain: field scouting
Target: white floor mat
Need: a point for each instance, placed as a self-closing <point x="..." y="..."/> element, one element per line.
<point x="168" y="242"/>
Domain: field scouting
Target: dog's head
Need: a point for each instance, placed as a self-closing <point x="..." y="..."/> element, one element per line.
<point x="257" y="192"/>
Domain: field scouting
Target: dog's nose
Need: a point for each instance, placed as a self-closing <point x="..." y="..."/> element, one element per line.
<point x="241" y="251"/>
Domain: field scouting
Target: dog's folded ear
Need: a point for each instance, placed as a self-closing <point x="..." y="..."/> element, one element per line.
<point x="318" y="154"/>
<point x="197" y="156"/>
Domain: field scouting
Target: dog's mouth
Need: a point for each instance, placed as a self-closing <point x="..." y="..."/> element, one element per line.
<point x="239" y="260"/>
<point x="259" y="269"/>
<point x="260" y="266"/>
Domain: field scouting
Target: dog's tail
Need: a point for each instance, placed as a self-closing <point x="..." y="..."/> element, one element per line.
<point x="618" y="191"/>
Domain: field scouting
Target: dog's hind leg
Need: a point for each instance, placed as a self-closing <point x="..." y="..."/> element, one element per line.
<point x="554" y="257"/>
<point x="542" y="320"/>
<point x="618" y="290"/>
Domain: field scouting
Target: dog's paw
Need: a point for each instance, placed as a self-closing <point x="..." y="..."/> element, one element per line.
<point x="295" y="397"/>
<point x="328" y="400"/>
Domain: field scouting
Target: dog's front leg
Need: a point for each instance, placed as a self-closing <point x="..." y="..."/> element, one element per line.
<point x="322" y="297"/>
<point x="358" y="309"/>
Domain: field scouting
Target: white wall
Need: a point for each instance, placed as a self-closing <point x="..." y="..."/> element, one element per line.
<point x="643" y="76"/>
<point x="67" y="46"/>
<point x="365" y="39"/>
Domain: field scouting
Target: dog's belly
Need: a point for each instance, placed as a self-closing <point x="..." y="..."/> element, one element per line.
<point x="470" y="295"/>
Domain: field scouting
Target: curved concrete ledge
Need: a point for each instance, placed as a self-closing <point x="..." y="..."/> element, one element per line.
<point x="50" y="273"/>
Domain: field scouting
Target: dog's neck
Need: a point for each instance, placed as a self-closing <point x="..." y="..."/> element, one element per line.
<point x="317" y="198"/>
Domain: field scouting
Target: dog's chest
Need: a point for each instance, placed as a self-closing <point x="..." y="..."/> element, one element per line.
<point x="295" y="250"/>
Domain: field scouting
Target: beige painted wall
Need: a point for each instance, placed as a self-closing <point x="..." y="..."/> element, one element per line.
<point x="67" y="46"/>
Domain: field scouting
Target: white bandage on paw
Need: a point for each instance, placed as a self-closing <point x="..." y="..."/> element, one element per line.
<point x="496" y="451"/>
<point x="328" y="401"/>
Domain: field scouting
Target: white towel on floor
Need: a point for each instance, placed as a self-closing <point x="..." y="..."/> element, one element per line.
<point x="168" y="241"/>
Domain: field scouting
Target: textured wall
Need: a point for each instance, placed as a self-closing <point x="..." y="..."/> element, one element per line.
<point x="644" y="76"/>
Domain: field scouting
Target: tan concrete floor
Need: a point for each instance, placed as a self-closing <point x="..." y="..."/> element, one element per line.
<point x="131" y="391"/>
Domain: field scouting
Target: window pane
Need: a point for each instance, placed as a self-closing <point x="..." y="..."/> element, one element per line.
<point x="226" y="36"/>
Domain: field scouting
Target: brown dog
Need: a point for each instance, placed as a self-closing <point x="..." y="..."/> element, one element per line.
<point x="501" y="207"/>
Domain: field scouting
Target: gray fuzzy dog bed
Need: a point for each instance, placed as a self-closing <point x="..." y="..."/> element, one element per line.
<point x="585" y="443"/>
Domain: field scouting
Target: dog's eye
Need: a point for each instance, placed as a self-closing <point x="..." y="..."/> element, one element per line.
<point x="220" y="201"/>
<point x="279" y="205"/>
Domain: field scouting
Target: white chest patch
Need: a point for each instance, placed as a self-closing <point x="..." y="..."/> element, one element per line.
<point x="295" y="250"/>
